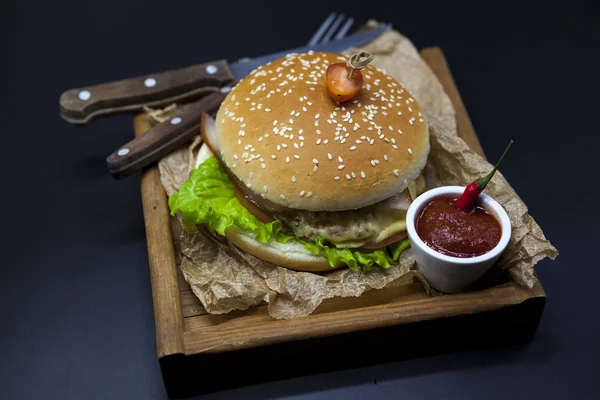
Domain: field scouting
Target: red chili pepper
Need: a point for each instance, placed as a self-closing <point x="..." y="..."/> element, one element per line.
<point x="466" y="201"/>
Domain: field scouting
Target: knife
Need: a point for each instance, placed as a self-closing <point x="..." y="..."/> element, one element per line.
<point x="80" y="105"/>
<point x="169" y="135"/>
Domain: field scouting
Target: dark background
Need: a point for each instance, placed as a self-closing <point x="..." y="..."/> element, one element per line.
<point x="75" y="302"/>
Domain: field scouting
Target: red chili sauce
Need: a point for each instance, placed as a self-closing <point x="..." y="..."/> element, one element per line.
<point x="455" y="233"/>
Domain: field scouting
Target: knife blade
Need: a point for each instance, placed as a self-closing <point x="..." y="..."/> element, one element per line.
<point x="80" y="105"/>
<point x="165" y="137"/>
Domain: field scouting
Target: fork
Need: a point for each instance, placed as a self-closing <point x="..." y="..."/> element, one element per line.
<point x="329" y="27"/>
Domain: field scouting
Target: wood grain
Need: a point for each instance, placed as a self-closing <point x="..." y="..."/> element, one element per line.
<point x="436" y="60"/>
<point x="194" y="332"/>
<point x="130" y="95"/>
<point x="161" y="257"/>
<point x="254" y="327"/>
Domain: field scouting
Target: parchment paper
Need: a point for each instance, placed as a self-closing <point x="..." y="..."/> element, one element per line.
<point x="225" y="278"/>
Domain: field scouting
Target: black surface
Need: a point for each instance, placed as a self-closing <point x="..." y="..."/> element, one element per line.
<point x="76" y="310"/>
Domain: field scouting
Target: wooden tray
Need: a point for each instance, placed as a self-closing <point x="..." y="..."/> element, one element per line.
<point x="199" y="352"/>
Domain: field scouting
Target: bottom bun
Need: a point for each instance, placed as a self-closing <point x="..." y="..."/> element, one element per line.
<point x="290" y="255"/>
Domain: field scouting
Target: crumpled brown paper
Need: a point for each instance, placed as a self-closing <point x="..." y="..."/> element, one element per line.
<point x="225" y="278"/>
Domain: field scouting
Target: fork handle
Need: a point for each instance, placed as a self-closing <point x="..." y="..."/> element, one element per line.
<point x="163" y="138"/>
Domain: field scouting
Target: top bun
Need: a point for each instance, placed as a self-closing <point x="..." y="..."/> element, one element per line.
<point x="281" y="134"/>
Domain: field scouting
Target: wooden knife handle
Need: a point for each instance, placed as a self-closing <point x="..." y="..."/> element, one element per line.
<point x="163" y="138"/>
<point x="78" y="106"/>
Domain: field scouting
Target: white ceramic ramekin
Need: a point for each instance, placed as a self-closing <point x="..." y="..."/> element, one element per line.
<point x="452" y="274"/>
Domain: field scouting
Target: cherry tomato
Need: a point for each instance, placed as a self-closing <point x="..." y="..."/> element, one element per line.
<point x="340" y="87"/>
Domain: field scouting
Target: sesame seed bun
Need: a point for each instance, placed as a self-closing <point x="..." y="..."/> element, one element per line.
<point x="282" y="135"/>
<point x="290" y="255"/>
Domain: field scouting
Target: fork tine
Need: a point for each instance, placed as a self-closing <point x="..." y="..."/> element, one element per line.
<point x="345" y="28"/>
<point x="322" y="29"/>
<point x="333" y="28"/>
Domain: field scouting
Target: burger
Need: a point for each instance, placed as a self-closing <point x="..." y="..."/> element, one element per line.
<point x="299" y="180"/>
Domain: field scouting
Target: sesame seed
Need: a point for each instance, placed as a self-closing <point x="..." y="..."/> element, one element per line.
<point x="315" y="161"/>
<point x="267" y="109"/>
<point x="263" y="166"/>
<point x="274" y="122"/>
<point x="250" y="174"/>
<point x="363" y="174"/>
<point x="390" y="128"/>
<point x="373" y="163"/>
<point x="410" y="151"/>
<point x="421" y="120"/>
<point x="410" y="109"/>
<point x="352" y="148"/>
<point x="291" y="121"/>
<point x="396" y="172"/>
<point x="317" y="116"/>
<point x="296" y="156"/>
<point x="316" y="168"/>
<point x="340" y="159"/>
<point x="341" y="167"/>
<point x="348" y="176"/>
<point x="274" y="157"/>
<point x="282" y="197"/>
<point x="400" y="131"/>
<point x="336" y="178"/>
<point x="265" y="189"/>
<point x="329" y="156"/>
<point x="319" y="141"/>
<point x="278" y="147"/>
<point x="287" y="160"/>
<point x="385" y="157"/>
<point x="242" y="133"/>
<point x="353" y="175"/>
<point x="309" y="194"/>
<point x="394" y="146"/>
<point x="316" y="123"/>
<point x="235" y="156"/>
<point x="293" y="179"/>
<point x="326" y="141"/>
<point x="296" y="145"/>
<point x="284" y="146"/>
<point x="302" y="193"/>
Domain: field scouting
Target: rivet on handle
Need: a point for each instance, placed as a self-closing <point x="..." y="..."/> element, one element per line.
<point x="176" y="121"/>
<point x="84" y="95"/>
<point x="211" y="69"/>
<point x="150" y="82"/>
<point x="123" y="152"/>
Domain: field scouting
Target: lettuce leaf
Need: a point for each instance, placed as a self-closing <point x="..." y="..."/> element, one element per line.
<point x="208" y="197"/>
<point x="353" y="258"/>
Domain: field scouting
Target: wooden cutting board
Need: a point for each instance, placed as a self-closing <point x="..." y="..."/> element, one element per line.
<point x="199" y="352"/>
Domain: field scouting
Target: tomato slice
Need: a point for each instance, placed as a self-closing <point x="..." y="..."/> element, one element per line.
<point x="342" y="88"/>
